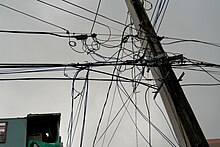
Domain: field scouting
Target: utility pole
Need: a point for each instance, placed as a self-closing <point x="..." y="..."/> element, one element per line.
<point x="182" y="118"/>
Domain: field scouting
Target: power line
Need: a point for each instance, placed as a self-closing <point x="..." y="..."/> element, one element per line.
<point x="160" y="9"/>
<point x="36" y="33"/>
<point x="179" y="40"/>
<point x="201" y="84"/>
<point x="163" y="15"/>
<point x="96" y="14"/>
<point x="68" y="35"/>
<point x="113" y="20"/>
<point x="146" y="118"/>
<point x="34" y="17"/>
<point x="78" y="15"/>
<point x="56" y="7"/>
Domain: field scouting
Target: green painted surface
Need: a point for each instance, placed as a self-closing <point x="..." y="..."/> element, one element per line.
<point x="16" y="132"/>
<point x="33" y="143"/>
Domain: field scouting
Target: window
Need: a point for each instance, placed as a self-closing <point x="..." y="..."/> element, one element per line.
<point x="3" y="127"/>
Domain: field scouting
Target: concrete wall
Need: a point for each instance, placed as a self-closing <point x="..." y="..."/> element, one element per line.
<point x="16" y="132"/>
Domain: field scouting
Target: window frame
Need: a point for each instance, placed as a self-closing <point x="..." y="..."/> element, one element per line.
<point x="5" y="132"/>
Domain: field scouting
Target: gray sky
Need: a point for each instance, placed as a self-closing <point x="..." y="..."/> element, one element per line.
<point x="198" y="19"/>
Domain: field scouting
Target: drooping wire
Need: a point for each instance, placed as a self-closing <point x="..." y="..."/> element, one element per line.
<point x="109" y="116"/>
<point x="122" y="89"/>
<point x="146" y="118"/>
<point x="149" y="115"/>
<point x="103" y="110"/>
<point x="167" y="122"/>
<point x="117" y="126"/>
<point x="113" y="119"/>
<point x="85" y="108"/>
<point x="71" y="132"/>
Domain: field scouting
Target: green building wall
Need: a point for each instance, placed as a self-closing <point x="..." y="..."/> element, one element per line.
<point x="16" y="132"/>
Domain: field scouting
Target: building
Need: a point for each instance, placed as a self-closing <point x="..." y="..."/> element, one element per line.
<point x="35" y="130"/>
<point x="214" y="142"/>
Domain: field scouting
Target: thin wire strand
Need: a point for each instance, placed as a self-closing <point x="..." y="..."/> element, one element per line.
<point x="83" y="8"/>
<point x="180" y="40"/>
<point x="96" y="14"/>
<point x="34" y="17"/>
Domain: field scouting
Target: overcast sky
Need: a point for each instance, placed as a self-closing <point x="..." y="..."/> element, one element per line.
<point x="197" y="19"/>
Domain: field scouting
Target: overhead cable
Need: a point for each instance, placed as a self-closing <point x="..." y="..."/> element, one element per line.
<point x="179" y="40"/>
<point x="96" y="14"/>
<point x="72" y="13"/>
<point x="34" y="17"/>
<point x="113" y="20"/>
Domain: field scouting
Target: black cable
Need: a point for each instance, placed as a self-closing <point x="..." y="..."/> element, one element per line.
<point x="72" y="13"/>
<point x="109" y="116"/>
<point x="94" y="12"/>
<point x="56" y="7"/>
<point x="206" y="72"/>
<point x="167" y="122"/>
<point x="162" y="16"/>
<point x="151" y="5"/>
<point x="85" y="107"/>
<point x="193" y="69"/>
<point x="129" y="97"/>
<point x="103" y="110"/>
<point x="148" y="111"/>
<point x="154" y="11"/>
<point x="37" y="33"/>
<point x="73" y="118"/>
<point x="26" y="14"/>
<point x="145" y="118"/>
<point x="78" y="15"/>
<point x="200" y="84"/>
<point x="179" y="40"/>
<point x="119" y="122"/>
<point x="164" y="136"/>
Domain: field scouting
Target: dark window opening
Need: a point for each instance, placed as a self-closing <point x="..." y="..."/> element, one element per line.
<point x="43" y="128"/>
<point x="3" y="128"/>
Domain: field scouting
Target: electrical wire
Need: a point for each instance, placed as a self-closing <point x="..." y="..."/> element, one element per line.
<point x="96" y="14"/>
<point x="78" y="15"/>
<point x="113" y="119"/>
<point x="103" y="110"/>
<point x="71" y="131"/>
<point x="159" y="10"/>
<point x="180" y="40"/>
<point x="121" y="88"/>
<point x="209" y="74"/>
<point x="167" y="122"/>
<point x="38" y="33"/>
<point x="146" y="118"/>
<point x="85" y="108"/>
<point x="83" y="8"/>
<point x="149" y="115"/>
<point x="34" y="17"/>
<point x="166" y="5"/>
<point x="109" y="116"/>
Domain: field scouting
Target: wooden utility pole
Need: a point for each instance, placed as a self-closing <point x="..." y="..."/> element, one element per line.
<point x="183" y="120"/>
